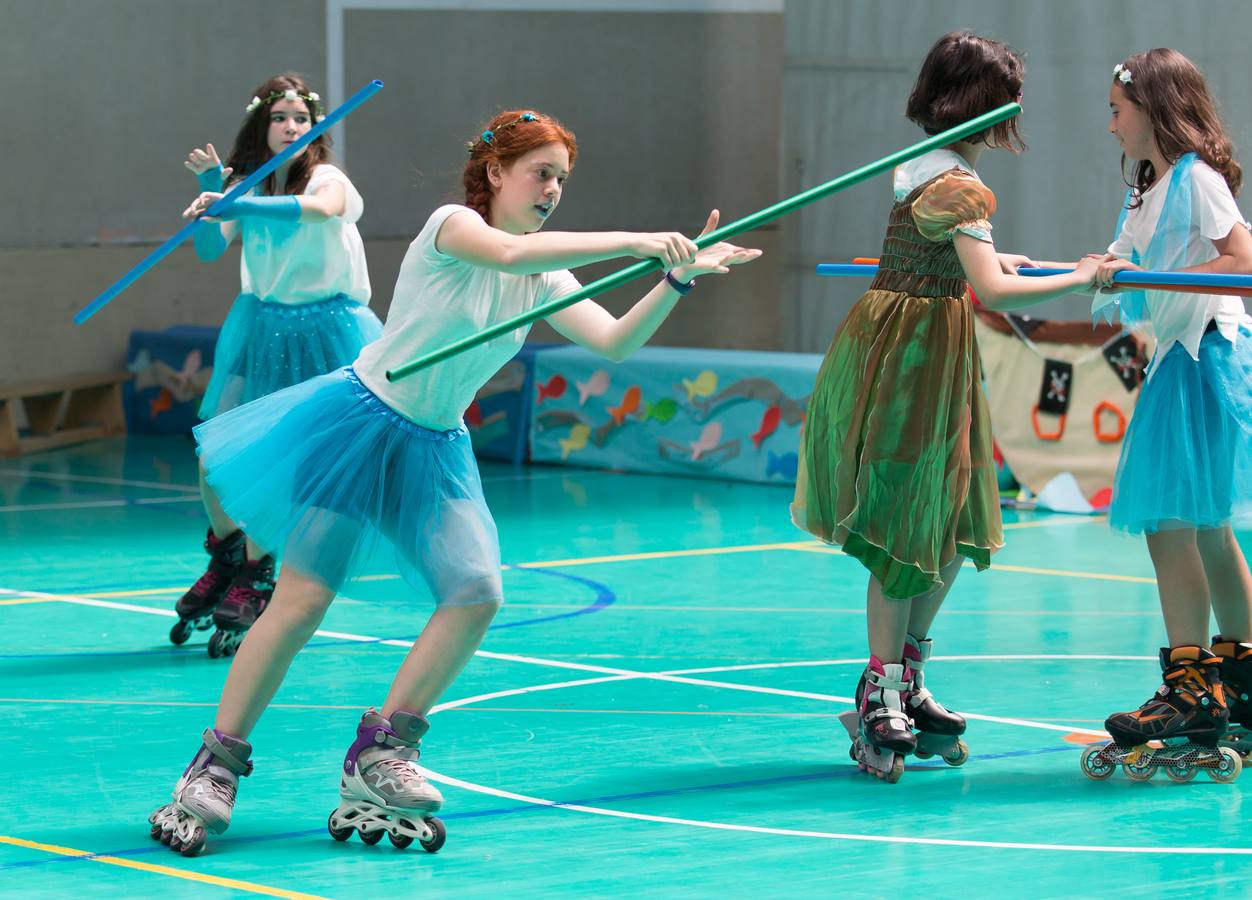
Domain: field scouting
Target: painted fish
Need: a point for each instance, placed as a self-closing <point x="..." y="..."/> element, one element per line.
<point x="710" y="437"/>
<point x="595" y="386"/>
<point x="703" y="386"/>
<point x="576" y="441"/>
<point x="783" y="465"/>
<point x="630" y="403"/>
<point x="661" y="411"/>
<point x="553" y="390"/>
<point x="769" y="424"/>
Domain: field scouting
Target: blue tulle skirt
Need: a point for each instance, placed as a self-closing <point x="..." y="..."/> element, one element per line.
<point x="1187" y="456"/>
<point x="265" y="347"/>
<point x="339" y="485"/>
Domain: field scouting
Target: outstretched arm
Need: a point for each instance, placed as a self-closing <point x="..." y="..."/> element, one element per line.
<point x="594" y="327"/>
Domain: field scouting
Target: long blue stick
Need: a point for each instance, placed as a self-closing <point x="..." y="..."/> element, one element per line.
<point x="1156" y="279"/>
<point x="237" y="191"/>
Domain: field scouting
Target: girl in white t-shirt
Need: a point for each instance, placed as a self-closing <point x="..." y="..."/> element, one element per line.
<point x="334" y="470"/>
<point x="1185" y="473"/>
<point x="302" y="311"/>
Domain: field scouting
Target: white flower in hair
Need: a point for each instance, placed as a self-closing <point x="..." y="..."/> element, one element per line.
<point x="290" y="95"/>
<point x="1123" y="74"/>
<point x="251" y="107"/>
<point x="314" y="96"/>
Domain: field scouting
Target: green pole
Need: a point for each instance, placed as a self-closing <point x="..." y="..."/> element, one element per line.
<point x="747" y="223"/>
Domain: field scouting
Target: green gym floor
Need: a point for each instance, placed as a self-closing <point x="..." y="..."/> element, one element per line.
<point x="653" y="714"/>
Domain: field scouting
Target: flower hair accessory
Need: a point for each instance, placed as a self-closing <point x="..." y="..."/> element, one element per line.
<point x="488" y="136"/>
<point x="1123" y="74"/>
<point x="312" y="98"/>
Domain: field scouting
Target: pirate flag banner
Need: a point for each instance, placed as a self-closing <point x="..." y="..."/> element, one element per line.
<point x="1060" y="396"/>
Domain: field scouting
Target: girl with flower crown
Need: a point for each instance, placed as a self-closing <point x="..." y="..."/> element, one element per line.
<point x="1183" y="475"/>
<point x="895" y="460"/>
<point x="302" y="311"/>
<point x="350" y="466"/>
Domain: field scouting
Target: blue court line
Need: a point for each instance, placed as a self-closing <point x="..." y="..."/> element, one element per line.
<point x="843" y="772"/>
<point x="605" y="597"/>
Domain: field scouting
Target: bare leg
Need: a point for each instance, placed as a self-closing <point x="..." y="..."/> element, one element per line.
<point x="888" y="621"/>
<point x="266" y="653"/>
<point x="1230" y="584"/>
<point x="1184" y="589"/>
<point x="439" y="654"/>
<point x="222" y="524"/>
<point x="926" y="606"/>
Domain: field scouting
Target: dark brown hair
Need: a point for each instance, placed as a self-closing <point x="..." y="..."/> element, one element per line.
<point x="513" y="134"/>
<point x="963" y="76"/>
<point x="251" y="149"/>
<point x="1172" y="93"/>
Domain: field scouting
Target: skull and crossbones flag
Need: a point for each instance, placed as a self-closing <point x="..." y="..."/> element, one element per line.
<point x="1127" y="362"/>
<point x="1058" y="381"/>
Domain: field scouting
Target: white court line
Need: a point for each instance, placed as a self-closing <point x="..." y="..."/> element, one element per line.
<point x="678" y="677"/>
<point x="830" y="835"/>
<point x="97" y="504"/>
<point x="96" y="479"/>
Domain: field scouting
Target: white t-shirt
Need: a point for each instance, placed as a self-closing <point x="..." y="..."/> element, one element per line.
<point x="440" y="299"/>
<point x="304" y="262"/>
<point x="1178" y="317"/>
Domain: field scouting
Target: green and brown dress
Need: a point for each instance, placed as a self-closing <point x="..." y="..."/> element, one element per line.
<point x="896" y="460"/>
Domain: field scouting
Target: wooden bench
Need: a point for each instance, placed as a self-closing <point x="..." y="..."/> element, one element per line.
<point x="60" y="411"/>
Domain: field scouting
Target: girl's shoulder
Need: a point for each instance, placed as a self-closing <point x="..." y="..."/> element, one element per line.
<point x="1207" y="179"/>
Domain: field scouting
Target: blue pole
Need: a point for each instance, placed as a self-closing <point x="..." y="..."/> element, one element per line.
<point x="1156" y="279"/>
<point x="235" y="193"/>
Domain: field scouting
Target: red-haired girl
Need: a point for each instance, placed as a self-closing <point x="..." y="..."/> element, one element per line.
<point x="329" y="470"/>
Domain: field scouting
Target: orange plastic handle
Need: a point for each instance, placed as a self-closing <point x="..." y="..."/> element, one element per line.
<point x="1103" y="436"/>
<point x="1046" y="435"/>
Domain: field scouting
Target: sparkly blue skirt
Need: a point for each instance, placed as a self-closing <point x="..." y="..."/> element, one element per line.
<point x="1187" y="456"/>
<point x="265" y="347"/>
<point x="333" y="480"/>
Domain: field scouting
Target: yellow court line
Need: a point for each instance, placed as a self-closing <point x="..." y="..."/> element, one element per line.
<point x="248" y="886"/>
<point x="810" y="546"/>
<point x="664" y="554"/>
<point x="1027" y="570"/>
<point x="1044" y="522"/>
<point x="21" y="600"/>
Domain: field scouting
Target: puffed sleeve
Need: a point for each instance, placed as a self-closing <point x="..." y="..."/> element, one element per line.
<point x="955" y="202"/>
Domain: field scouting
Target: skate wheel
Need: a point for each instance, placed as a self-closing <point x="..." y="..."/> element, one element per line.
<point x="1229" y="768"/>
<point x="897" y="770"/>
<point x="1180" y="773"/>
<point x="195" y="846"/>
<point x="439" y="834"/>
<point x="167" y="837"/>
<point x="958" y="755"/>
<point x="155" y="832"/>
<point x="922" y="754"/>
<point x="400" y="841"/>
<point x="215" y="645"/>
<point x="371" y="837"/>
<point x="1139" y="771"/>
<point x="339" y="834"/>
<point x="180" y="632"/>
<point x="1094" y="765"/>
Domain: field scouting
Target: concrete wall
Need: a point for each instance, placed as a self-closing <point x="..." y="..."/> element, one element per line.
<point x="675" y="112"/>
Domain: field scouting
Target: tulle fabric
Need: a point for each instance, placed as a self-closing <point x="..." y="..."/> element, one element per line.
<point x="1187" y="456"/>
<point x="340" y="485"/>
<point x="265" y="347"/>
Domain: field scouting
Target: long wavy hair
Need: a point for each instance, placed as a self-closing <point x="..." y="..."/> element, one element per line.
<point x="1172" y="92"/>
<point x="251" y="149"/>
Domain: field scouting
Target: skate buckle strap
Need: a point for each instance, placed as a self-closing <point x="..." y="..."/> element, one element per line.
<point x="878" y="679"/>
<point x="886" y="712"/>
<point x="222" y="754"/>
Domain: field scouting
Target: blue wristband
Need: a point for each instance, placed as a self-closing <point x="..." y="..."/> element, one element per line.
<point x="211" y="180"/>
<point x="279" y="209"/>
<point x="678" y="285"/>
